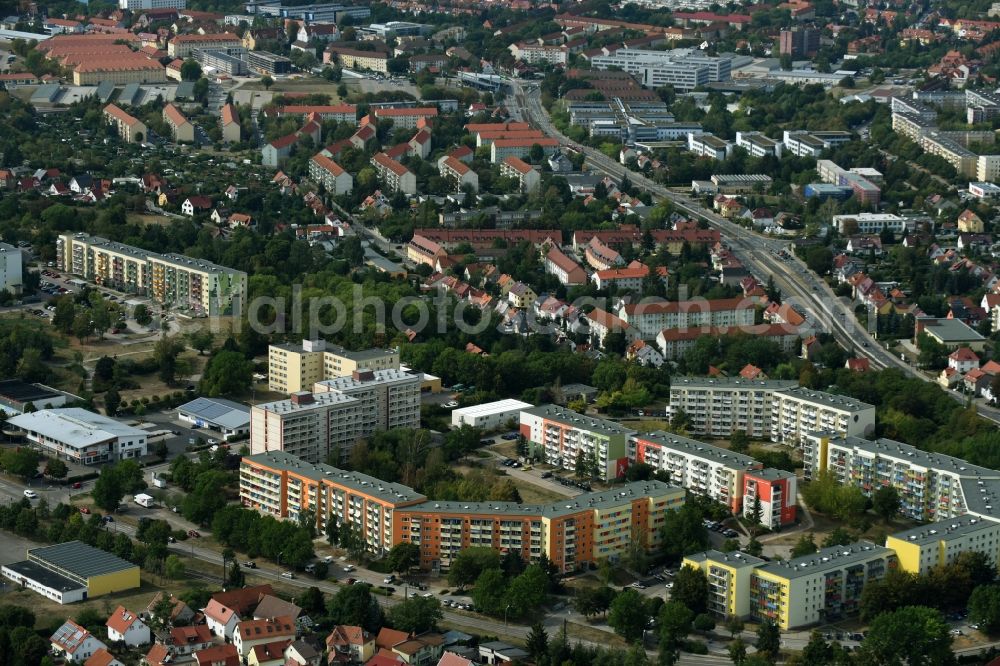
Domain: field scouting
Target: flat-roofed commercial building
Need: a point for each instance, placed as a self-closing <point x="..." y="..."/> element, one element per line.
<point x="572" y="534"/>
<point x="766" y="409"/>
<point x="73" y="571"/>
<point x="922" y="548"/>
<point x="284" y="486"/>
<point x="757" y="144"/>
<point x="296" y="367"/>
<point x="562" y="436"/>
<point x="264" y="62"/>
<point x="728" y="577"/>
<point x="708" y="145"/>
<point x="824" y="586"/>
<point x="701" y="468"/>
<point x="230" y="418"/>
<point x="489" y="415"/>
<point x="649" y="318"/>
<point x="16" y="395"/>
<point x="83" y="437"/>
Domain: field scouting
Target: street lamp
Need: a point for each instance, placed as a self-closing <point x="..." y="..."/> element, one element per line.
<point x="506" y="608"/>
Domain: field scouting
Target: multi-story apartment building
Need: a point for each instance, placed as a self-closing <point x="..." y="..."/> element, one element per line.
<point x="799" y="42"/>
<point x="701" y="468"/>
<point x="527" y="176"/>
<point x="353" y="58"/>
<point x="11" y="269"/>
<point x="773" y="490"/>
<point x="296" y="367"/>
<point x="765" y="409"/>
<point x="394" y="175"/>
<point x="704" y="144"/>
<point x="562" y="436"/>
<point x="572" y="533"/>
<point x="458" y="172"/>
<point x="129" y="127"/>
<point x="391" y="396"/>
<point x="566" y="270"/>
<point x="329" y="174"/>
<point x="284" y="486"/>
<point x="601" y="256"/>
<point x="728" y="577"/>
<point x="684" y="69"/>
<point x="803" y="143"/>
<point x="816" y="588"/>
<point x="170" y="279"/>
<point x="181" y="46"/>
<point x="931" y="486"/>
<point x="757" y="144"/>
<point x="409" y="117"/>
<point x="180" y="127"/>
<point x="871" y="223"/>
<point x="651" y="317"/>
<point x="798" y="410"/>
<point x="920" y="549"/>
<point x="501" y="149"/>
<point x="230" y="121"/>
<point x="313" y="426"/>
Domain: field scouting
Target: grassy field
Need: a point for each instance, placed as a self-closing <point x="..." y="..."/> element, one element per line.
<point x="532" y="494"/>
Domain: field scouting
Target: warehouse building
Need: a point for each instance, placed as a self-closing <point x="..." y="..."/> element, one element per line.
<point x="72" y="571"/>
<point x="489" y="415"/>
<point x="86" y="438"/>
<point x="16" y="395"/>
<point x="229" y="418"/>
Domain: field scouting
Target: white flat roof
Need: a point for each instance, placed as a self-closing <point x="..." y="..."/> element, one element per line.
<point x="74" y="427"/>
<point x="490" y="408"/>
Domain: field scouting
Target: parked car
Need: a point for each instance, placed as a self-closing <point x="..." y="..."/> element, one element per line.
<point x="287" y="574"/>
<point x="250" y="564"/>
<point x="77" y="485"/>
<point x="451" y="404"/>
<point x="352" y="581"/>
<point x="108" y="519"/>
<point x="85" y="510"/>
<point x="194" y="534"/>
<point x="349" y="568"/>
<point x="30" y="494"/>
<point x="389" y="579"/>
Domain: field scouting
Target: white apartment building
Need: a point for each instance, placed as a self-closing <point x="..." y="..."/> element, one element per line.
<point x="391" y="396"/>
<point x="310" y="426"/>
<point x="489" y="415"/>
<point x="566" y="270"/>
<point x="765" y="409"/>
<point x="562" y="436"/>
<point x="526" y="175"/>
<point x="539" y="53"/>
<point x="324" y="171"/>
<point x="757" y="144"/>
<point x="11" y="269"/>
<point x="708" y="145"/>
<point x="80" y="436"/>
<point x="798" y="410"/>
<point x="457" y="171"/>
<point x="708" y="470"/>
<point x="394" y="175"/>
<point x="931" y="486"/>
<point x="803" y="143"/>
<point x="649" y="318"/>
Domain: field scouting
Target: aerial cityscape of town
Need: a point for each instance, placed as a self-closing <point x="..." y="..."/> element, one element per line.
<point x="406" y="333"/>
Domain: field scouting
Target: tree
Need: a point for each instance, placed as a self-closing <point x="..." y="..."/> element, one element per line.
<point x="768" y="640"/>
<point x="734" y="625"/>
<point x="691" y="589"/>
<point x="739" y="442"/>
<point x="984" y="608"/>
<point x="267" y="82"/>
<point x="355" y="605"/>
<point x="737" y="651"/>
<point x="754" y="547"/>
<point x="817" y="650"/>
<point x="683" y="532"/>
<point x="838" y="537"/>
<point x="537" y="643"/>
<point x="312" y="601"/>
<point x="593" y="600"/>
<point x="416" y="614"/>
<point x="913" y="635"/>
<point x="526" y="592"/>
<point x="489" y="591"/>
<point x="56" y="468"/>
<point x="627" y="615"/>
<point x="331" y="531"/>
<point x="675" y="623"/>
<point x="806" y="545"/>
<point x="886" y="503"/>
<point x="190" y="70"/>
<point x="22" y="462"/>
<point x="403" y="557"/>
<point x="165" y="353"/>
<point x="141" y="315"/>
<point x="174" y="568"/>
<point x="108" y="489"/>
<point x="470" y="564"/>
<point x="112" y="401"/>
<point x="201" y="340"/>
<point x="227" y="373"/>
<point x="235" y="577"/>
<point x="64" y="315"/>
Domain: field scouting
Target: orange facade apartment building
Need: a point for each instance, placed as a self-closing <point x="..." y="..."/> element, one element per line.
<point x="572" y="533"/>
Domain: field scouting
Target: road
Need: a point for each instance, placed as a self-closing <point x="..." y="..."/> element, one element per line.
<point x="762" y="255"/>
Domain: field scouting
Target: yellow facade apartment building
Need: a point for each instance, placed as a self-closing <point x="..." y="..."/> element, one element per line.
<point x="296" y="367"/>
